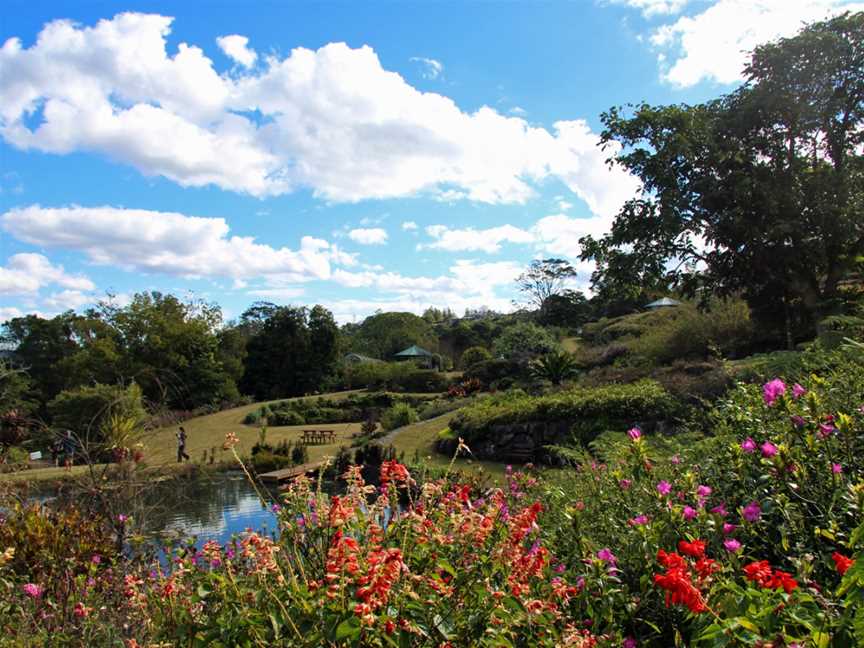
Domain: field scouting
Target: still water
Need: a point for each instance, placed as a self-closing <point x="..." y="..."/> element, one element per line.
<point x="214" y="508"/>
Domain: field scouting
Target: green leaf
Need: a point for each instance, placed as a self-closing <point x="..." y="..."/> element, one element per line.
<point x="348" y="629"/>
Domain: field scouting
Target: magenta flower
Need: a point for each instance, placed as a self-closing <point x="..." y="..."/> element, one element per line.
<point x="748" y="445"/>
<point x="629" y="642"/>
<point x="689" y="513"/>
<point x="96" y="559"/>
<point x="826" y="430"/>
<point x="798" y="391"/>
<point x="122" y="518"/>
<point x="836" y="468"/>
<point x="752" y="512"/>
<point x="799" y="421"/>
<point x="732" y="545"/>
<point x="664" y="487"/>
<point x="720" y="510"/>
<point x="32" y="590"/>
<point x="606" y="555"/>
<point x="729" y="528"/>
<point x="773" y="390"/>
<point x="703" y="491"/>
<point x="634" y="433"/>
<point x="675" y="460"/>
<point x="768" y="449"/>
<point x="625" y="484"/>
<point x="639" y="520"/>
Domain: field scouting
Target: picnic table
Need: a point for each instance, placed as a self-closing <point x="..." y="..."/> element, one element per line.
<point x="310" y="437"/>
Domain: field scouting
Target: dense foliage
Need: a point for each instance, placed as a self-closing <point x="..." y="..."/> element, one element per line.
<point x="752" y="536"/>
<point x="589" y="411"/>
<point x="758" y="192"/>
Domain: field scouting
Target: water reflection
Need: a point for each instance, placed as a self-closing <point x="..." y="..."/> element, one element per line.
<point x="212" y="508"/>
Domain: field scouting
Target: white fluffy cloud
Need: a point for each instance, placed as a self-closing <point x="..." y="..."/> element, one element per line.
<point x="168" y="243"/>
<point x="470" y="239"/>
<point x="368" y="235"/>
<point x="333" y="119"/>
<point x="555" y="234"/>
<point x="713" y="44"/>
<point x="27" y="273"/>
<point x="236" y="47"/>
<point x="9" y="312"/>
<point x="409" y="226"/>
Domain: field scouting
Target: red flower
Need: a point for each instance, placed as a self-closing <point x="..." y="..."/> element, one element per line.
<point x="762" y="574"/>
<point x="680" y="589"/>
<point x="706" y="566"/>
<point x="758" y="572"/>
<point x="842" y="563"/>
<point x="393" y="470"/>
<point x="672" y="560"/>
<point x="695" y="549"/>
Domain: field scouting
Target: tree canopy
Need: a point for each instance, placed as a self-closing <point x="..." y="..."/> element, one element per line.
<point x="759" y="192"/>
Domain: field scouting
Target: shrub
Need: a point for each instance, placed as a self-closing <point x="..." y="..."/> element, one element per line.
<point x="393" y="376"/>
<point x="590" y="410"/>
<point x="473" y="355"/>
<point x="523" y="341"/>
<point x="556" y="367"/>
<point x="725" y="328"/>
<point x="399" y="415"/>
<point x="286" y="417"/>
<point x="265" y="461"/>
<point x="300" y="455"/>
<point x="492" y="372"/>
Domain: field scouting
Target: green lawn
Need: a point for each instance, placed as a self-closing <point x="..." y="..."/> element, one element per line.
<point x="207" y="432"/>
<point x="420" y="438"/>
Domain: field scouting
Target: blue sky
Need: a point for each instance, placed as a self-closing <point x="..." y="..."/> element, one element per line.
<point x="358" y="155"/>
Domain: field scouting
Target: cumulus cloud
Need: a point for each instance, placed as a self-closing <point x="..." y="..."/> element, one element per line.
<point x="713" y="45"/>
<point x="168" y="243"/>
<point x="9" y="312"/>
<point x="236" y="48"/>
<point x="27" y="273"/>
<point x="333" y="120"/>
<point x="409" y="226"/>
<point x="470" y="239"/>
<point x="432" y="69"/>
<point x="67" y="299"/>
<point x="368" y="235"/>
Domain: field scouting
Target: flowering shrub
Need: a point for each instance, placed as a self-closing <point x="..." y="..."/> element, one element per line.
<point x="749" y="537"/>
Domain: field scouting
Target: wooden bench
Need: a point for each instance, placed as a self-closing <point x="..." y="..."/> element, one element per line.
<point x="310" y="437"/>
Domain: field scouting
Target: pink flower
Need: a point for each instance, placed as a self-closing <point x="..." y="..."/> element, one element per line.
<point x="826" y="430"/>
<point x="664" y="487"/>
<point x="639" y="520"/>
<point x="729" y="528"/>
<point x="703" y="491"/>
<point x="773" y="390"/>
<point x="720" y="510"/>
<point x="606" y="555"/>
<point x="675" y="460"/>
<point x="768" y="449"/>
<point x="836" y="468"/>
<point x="798" y="391"/>
<point x="629" y="642"/>
<point x="752" y="512"/>
<point x="689" y="513"/>
<point x="96" y="559"/>
<point x="634" y="433"/>
<point x="122" y="518"/>
<point x="732" y="545"/>
<point x="748" y="445"/>
<point x="32" y="590"/>
<point x="799" y="421"/>
<point x="625" y="484"/>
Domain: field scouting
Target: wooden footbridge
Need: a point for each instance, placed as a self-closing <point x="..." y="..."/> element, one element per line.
<point x="286" y="474"/>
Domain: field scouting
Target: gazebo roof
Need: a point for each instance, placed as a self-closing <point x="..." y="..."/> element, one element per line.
<point x="664" y="301"/>
<point x="414" y="351"/>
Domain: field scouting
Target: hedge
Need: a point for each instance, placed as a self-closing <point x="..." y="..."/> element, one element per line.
<point x="592" y="409"/>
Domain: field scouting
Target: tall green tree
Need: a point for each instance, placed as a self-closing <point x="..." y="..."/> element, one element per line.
<point x="759" y="192"/>
<point x="544" y="279"/>
<point x="292" y="353"/>
<point x="384" y="334"/>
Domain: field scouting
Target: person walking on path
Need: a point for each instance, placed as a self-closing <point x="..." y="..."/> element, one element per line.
<point x="68" y="450"/>
<point x="181" y="445"/>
